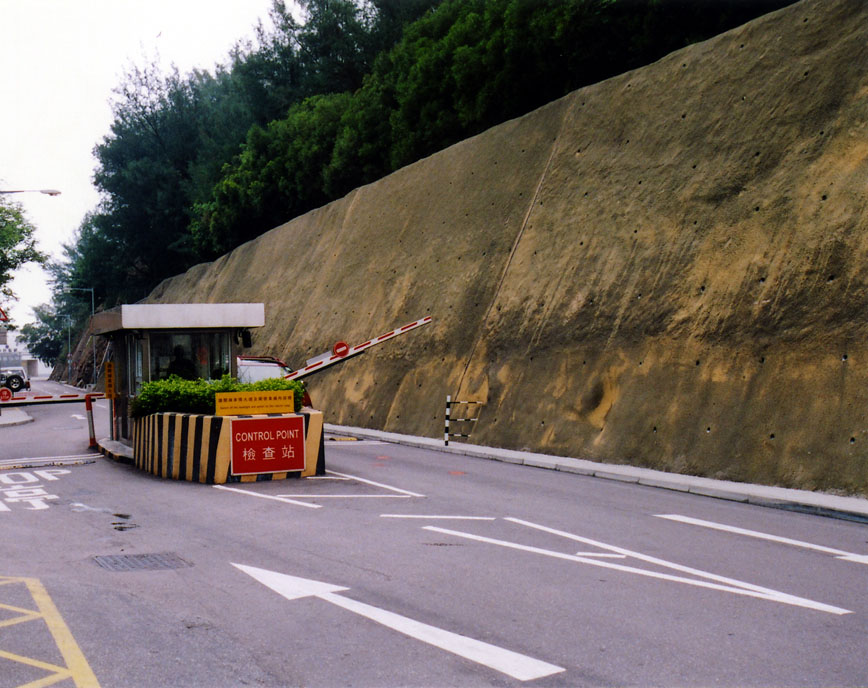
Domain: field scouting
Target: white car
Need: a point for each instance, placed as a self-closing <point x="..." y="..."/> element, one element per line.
<point x="256" y="368"/>
<point x="15" y="378"/>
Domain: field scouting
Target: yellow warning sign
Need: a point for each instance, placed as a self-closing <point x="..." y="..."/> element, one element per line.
<point x="252" y="403"/>
<point x="41" y="609"/>
<point x="109" y="380"/>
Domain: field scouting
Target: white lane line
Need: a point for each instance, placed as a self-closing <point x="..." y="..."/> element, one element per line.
<point x="433" y="518"/>
<point x="340" y="496"/>
<point x="264" y="496"/>
<point x="734" y="586"/>
<point x="518" y="666"/>
<point x="353" y="443"/>
<point x="838" y="553"/>
<point x="50" y="458"/>
<point x="371" y="482"/>
<point x="601" y="555"/>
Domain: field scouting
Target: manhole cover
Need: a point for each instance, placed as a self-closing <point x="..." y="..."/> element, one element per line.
<point x="141" y="562"/>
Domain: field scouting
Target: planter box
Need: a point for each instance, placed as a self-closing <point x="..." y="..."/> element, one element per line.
<point x="198" y="448"/>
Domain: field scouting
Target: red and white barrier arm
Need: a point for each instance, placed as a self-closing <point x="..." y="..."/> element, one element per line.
<point x="49" y="399"/>
<point x="340" y="355"/>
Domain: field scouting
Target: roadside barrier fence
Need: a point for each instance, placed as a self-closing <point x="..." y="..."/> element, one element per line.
<point x="469" y="407"/>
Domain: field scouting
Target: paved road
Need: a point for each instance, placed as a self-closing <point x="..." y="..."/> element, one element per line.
<point x="50" y="429"/>
<point x="439" y="570"/>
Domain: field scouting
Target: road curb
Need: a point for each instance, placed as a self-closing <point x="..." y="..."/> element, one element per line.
<point x="12" y="417"/>
<point x="817" y="503"/>
<point x="117" y="451"/>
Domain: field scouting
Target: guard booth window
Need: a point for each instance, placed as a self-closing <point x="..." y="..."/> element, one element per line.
<point x="133" y="371"/>
<point x="190" y="356"/>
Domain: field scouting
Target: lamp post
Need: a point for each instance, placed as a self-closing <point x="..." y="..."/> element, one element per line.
<point x="47" y="192"/>
<point x="92" y="310"/>
<point x="68" y="347"/>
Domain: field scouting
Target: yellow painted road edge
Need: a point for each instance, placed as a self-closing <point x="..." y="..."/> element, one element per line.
<point x="76" y="664"/>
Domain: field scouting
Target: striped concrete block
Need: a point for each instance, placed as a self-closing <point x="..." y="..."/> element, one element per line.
<point x="196" y="448"/>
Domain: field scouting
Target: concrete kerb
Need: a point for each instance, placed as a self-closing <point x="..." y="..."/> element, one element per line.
<point x="117" y="451"/>
<point x="14" y="416"/>
<point x="850" y="508"/>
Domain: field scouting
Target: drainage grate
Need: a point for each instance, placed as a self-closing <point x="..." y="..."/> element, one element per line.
<point x="142" y="562"/>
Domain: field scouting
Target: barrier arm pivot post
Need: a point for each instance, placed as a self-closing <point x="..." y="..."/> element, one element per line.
<point x="88" y="405"/>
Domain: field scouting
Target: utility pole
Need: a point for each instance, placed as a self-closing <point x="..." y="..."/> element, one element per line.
<point x="92" y="310"/>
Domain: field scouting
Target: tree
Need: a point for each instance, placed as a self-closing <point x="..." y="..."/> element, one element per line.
<point x="17" y="244"/>
<point x="45" y="338"/>
<point x="278" y="175"/>
<point x="315" y="107"/>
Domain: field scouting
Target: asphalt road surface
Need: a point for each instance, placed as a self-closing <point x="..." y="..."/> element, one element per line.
<point x="409" y="567"/>
<point x="57" y="429"/>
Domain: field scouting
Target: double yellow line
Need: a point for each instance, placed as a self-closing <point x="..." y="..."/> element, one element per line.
<point x="76" y="667"/>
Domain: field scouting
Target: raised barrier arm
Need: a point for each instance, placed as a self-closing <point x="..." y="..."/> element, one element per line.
<point x="342" y="352"/>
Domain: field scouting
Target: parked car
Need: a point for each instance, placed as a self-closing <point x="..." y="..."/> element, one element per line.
<point x="15" y="378"/>
<point x="256" y="368"/>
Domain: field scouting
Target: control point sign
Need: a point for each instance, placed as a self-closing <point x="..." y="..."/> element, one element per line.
<point x="267" y="445"/>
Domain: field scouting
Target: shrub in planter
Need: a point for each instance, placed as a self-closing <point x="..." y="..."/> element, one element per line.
<point x="178" y="395"/>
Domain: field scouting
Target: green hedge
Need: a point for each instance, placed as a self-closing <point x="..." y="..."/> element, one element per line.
<point x="177" y="395"/>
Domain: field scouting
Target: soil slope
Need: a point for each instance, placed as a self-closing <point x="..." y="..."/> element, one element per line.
<point x="669" y="268"/>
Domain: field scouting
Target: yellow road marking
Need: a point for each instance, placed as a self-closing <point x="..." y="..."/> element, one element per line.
<point x="29" y="661"/>
<point x="26" y="615"/>
<point x="76" y="667"/>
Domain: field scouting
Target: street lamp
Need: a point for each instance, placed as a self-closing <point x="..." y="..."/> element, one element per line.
<point x="47" y="192"/>
<point x="92" y="310"/>
<point x="68" y="347"/>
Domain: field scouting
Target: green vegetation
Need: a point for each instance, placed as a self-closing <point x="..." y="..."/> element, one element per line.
<point x="196" y="164"/>
<point x="42" y="337"/>
<point x="17" y="245"/>
<point x="177" y="395"/>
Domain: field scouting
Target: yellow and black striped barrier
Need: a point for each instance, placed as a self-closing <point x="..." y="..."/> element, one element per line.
<point x="197" y="448"/>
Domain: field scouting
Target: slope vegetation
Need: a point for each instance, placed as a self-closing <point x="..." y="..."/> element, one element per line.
<point x="667" y="268"/>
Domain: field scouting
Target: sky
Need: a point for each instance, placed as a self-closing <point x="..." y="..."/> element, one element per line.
<point x="60" y="60"/>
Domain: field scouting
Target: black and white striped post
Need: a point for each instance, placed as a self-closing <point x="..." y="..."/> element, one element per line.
<point x="449" y="405"/>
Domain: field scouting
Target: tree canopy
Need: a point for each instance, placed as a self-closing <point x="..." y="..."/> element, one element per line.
<point x="42" y="337"/>
<point x="313" y="107"/>
<point x="17" y="243"/>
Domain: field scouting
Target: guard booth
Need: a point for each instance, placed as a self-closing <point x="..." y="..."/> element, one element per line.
<point x="155" y="340"/>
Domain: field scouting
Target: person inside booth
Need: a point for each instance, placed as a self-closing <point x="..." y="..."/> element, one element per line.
<point x="182" y="366"/>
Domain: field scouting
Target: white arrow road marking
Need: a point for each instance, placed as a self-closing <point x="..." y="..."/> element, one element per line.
<point x="78" y="416"/>
<point x="838" y="553"/>
<point x="512" y="664"/>
<point x="766" y="593"/>
<point x="724" y="584"/>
